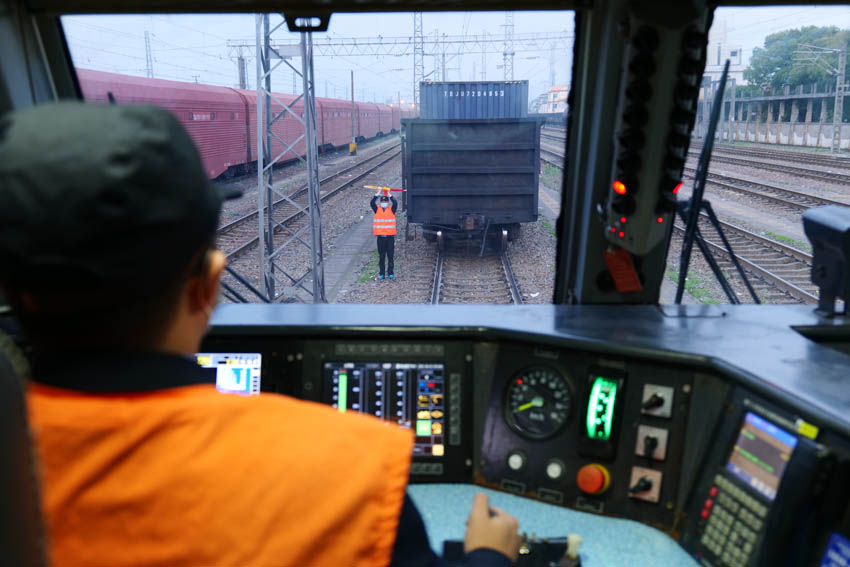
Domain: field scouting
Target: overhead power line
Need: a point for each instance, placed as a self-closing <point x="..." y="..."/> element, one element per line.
<point x="432" y="45"/>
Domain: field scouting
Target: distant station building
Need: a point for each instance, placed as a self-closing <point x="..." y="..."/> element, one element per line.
<point x="551" y="102"/>
<point x="537" y="103"/>
<point x="719" y="50"/>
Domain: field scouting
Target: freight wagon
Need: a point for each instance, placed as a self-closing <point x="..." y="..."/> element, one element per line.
<point x="222" y="121"/>
<point x="470" y="178"/>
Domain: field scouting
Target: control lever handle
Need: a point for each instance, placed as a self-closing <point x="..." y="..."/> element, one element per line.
<point x="642" y="485"/>
<point x="656" y="400"/>
<point x="650" y="444"/>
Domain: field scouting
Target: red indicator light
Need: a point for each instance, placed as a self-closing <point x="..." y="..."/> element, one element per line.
<point x="619" y="187"/>
<point x="613" y="229"/>
<point x="519" y="380"/>
<point x="623" y="219"/>
<point x="430" y="384"/>
<point x="622" y="235"/>
<point x="677" y="187"/>
<point x="660" y="220"/>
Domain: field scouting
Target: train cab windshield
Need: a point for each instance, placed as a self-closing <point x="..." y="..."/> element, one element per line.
<point x="590" y="259"/>
<point x="476" y="203"/>
<point x="475" y="191"/>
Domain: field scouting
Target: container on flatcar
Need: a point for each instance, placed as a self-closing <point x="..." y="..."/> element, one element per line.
<point x="474" y="99"/>
<point x="471" y="175"/>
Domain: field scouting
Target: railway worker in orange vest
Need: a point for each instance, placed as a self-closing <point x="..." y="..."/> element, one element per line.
<point x="107" y="231"/>
<point x="384" y="229"/>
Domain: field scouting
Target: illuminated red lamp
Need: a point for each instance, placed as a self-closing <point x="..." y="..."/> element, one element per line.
<point x="660" y="220"/>
<point x="677" y="187"/>
<point x="613" y="229"/>
<point x="622" y="235"/>
<point x="619" y="187"/>
<point x="623" y="220"/>
<point x="519" y="380"/>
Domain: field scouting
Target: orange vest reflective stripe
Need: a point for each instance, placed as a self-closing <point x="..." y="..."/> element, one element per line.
<point x="189" y="476"/>
<point x="384" y="223"/>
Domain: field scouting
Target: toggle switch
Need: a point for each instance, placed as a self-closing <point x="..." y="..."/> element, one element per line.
<point x="645" y="484"/>
<point x="651" y="442"/>
<point x="657" y="400"/>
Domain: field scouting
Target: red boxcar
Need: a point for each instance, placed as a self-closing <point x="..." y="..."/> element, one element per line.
<point x="213" y="116"/>
<point x="336" y="122"/>
<point x="367" y="120"/>
<point x="396" y="113"/>
<point x="385" y="119"/>
<point x="285" y="129"/>
<point x="222" y="121"/>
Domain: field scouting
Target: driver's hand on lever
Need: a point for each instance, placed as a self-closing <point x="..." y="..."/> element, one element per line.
<point x="491" y="528"/>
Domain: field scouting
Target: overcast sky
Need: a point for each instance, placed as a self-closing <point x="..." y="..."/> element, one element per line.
<point x="748" y="27"/>
<point x="195" y="48"/>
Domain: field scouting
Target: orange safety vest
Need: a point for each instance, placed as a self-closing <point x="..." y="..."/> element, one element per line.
<point x="191" y="477"/>
<point x="384" y="223"/>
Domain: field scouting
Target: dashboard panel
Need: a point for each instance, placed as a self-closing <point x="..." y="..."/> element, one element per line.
<point x="617" y="445"/>
<point x="718" y="458"/>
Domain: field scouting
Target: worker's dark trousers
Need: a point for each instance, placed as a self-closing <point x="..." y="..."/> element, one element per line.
<point x="386" y="249"/>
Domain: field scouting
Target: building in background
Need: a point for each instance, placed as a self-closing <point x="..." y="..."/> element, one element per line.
<point x="552" y="102"/>
<point x="719" y="51"/>
<point x="537" y="103"/>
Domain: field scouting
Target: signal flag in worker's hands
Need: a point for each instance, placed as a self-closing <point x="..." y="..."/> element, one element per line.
<point x="386" y="190"/>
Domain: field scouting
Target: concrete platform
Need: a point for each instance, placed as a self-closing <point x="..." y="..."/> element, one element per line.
<point x="353" y="249"/>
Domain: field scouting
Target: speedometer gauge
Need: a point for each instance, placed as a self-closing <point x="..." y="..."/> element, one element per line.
<point x="538" y="402"/>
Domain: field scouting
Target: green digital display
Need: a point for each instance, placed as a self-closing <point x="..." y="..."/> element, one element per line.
<point x="600" y="408"/>
<point x="342" y="402"/>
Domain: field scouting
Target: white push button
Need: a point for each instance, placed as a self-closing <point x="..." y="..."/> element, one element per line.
<point x="555" y="470"/>
<point x="516" y="461"/>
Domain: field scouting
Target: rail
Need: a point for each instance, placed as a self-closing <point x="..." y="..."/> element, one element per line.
<point x="829" y="176"/>
<point x="486" y="290"/>
<point x="773" y="252"/>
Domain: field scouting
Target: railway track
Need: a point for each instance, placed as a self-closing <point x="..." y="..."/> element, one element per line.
<point x="819" y="175"/>
<point x="770" y="194"/>
<point x="809" y="158"/>
<point x="778" y="273"/>
<point x="552" y="158"/>
<point x="785" y="198"/>
<point x="560" y="138"/>
<point x="240" y="234"/>
<point x="463" y="278"/>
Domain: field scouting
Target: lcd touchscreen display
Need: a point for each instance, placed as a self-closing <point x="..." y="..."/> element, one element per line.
<point x="408" y="394"/>
<point x="761" y="454"/>
<point x="235" y="372"/>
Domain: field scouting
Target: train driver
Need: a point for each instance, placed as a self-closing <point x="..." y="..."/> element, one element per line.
<point x="107" y="227"/>
<point x="384" y="229"/>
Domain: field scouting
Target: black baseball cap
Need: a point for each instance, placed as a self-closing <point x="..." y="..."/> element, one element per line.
<point x="100" y="201"/>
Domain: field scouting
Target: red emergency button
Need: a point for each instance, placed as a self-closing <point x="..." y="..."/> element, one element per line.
<point x="708" y="504"/>
<point x="705" y="513"/>
<point x="593" y="479"/>
<point x="712" y="492"/>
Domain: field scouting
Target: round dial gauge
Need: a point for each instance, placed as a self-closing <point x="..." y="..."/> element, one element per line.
<point x="538" y="402"/>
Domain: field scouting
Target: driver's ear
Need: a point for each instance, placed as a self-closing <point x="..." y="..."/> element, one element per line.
<point x="216" y="263"/>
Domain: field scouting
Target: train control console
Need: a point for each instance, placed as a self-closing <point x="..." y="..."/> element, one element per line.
<point x="734" y="444"/>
